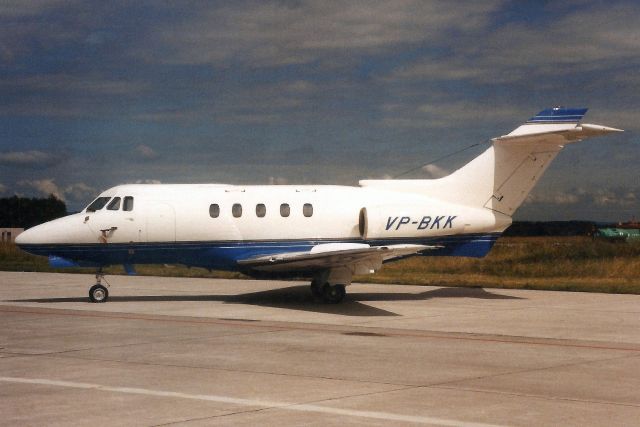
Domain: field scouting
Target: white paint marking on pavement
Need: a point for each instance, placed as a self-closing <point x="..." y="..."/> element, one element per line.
<point x="387" y="416"/>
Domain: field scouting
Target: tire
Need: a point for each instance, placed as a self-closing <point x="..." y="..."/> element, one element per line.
<point x="98" y="293"/>
<point x="316" y="289"/>
<point x="333" y="294"/>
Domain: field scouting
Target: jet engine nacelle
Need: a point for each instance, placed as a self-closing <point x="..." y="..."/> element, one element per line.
<point x="429" y="220"/>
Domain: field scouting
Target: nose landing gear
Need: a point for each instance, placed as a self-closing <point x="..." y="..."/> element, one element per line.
<point x="98" y="292"/>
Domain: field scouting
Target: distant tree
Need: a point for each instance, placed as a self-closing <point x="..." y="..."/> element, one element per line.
<point x="23" y="212"/>
<point x="550" y="228"/>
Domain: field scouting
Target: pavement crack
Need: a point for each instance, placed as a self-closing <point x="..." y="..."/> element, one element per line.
<point x="214" y="368"/>
<point x="451" y="385"/>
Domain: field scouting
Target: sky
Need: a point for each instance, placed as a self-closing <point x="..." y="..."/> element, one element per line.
<point x="95" y="94"/>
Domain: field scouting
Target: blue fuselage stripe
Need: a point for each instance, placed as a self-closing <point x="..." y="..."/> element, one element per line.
<point x="226" y="254"/>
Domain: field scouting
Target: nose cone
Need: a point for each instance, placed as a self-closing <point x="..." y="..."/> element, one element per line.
<point x="25" y="238"/>
<point x="69" y="229"/>
<point x="40" y="234"/>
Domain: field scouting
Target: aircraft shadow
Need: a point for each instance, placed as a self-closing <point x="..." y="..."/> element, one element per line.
<point x="300" y="298"/>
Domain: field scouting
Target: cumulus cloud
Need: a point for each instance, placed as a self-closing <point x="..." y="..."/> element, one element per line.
<point x="555" y="198"/>
<point x="278" y="180"/>
<point x="435" y="171"/>
<point x="615" y="197"/>
<point x="146" y="152"/>
<point x="25" y="158"/>
<point x="3" y="188"/>
<point x="79" y="192"/>
<point x="44" y="186"/>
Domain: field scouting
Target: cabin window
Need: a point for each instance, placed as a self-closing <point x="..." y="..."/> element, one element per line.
<point x="307" y="210"/>
<point x="261" y="210"/>
<point x="236" y="210"/>
<point x="98" y="204"/>
<point x="214" y="210"/>
<point x="114" y="205"/>
<point x="128" y="204"/>
<point x="285" y="210"/>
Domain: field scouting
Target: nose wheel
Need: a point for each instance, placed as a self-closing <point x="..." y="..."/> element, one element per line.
<point x="98" y="292"/>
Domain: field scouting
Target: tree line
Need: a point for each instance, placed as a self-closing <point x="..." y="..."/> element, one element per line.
<point x="24" y="212"/>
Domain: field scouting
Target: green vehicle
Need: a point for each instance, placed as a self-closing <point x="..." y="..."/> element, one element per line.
<point x="616" y="233"/>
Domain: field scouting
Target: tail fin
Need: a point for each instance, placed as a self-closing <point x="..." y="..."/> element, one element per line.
<point x="501" y="178"/>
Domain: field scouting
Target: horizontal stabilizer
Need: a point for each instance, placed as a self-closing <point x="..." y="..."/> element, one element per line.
<point x="559" y="134"/>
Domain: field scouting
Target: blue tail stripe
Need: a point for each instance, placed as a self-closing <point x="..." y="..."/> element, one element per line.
<point x="559" y="115"/>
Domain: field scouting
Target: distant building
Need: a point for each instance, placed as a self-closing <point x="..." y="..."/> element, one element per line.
<point x="10" y="234"/>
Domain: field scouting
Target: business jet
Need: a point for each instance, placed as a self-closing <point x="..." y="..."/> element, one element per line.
<point x="327" y="233"/>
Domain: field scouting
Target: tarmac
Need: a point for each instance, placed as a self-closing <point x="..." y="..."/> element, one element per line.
<point x="195" y="352"/>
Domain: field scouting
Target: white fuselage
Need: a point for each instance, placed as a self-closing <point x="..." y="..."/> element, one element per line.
<point x="183" y="213"/>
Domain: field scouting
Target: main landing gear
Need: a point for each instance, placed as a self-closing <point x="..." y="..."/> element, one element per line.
<point x="98" y="292"/>
<point x="331" y="294"/>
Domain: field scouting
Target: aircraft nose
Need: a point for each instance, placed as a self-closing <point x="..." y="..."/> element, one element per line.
<point x="27" y="237"/>
<point x="69" y="229"/>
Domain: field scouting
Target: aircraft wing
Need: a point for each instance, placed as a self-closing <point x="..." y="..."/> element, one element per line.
<point x="332" y="255"/>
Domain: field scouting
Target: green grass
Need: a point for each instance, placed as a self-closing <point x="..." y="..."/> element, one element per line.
<point x="552" y="263"/>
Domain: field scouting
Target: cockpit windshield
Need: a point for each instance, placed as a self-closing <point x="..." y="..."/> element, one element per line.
<point x="98" y="204"/>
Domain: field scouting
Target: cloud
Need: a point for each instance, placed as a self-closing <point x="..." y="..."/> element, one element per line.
<point x="280" y="33"/>
<point x="434" y="171"/>
<point x="146" y="152"/>
<point x="278" y="180"/>
<point x="3" y="188"/>
<point x="62" y="95"/>
<point x="79" y="192"/>
<point x="44" y="186"/>
<point x="20" y="8"/>
<point x="29" y="26"/>
<point x="25" y="158"/>
<point x="81" y="84"/>
<point x="522" y="51"/>
<point x="603" y="197"/>
<point x="555" y="198"/>
<point x="445" y="113"/>
<point x="253" y="103"/>
<point x="616" y="197"/>
<point x="148" y="181"/>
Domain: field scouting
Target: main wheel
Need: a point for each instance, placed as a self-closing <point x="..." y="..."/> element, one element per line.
<point x="316" y="289"/>
<point x="98" y="293"/>
<point x="333" y="294"/>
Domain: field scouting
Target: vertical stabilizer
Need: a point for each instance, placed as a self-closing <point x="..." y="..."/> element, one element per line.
<point x="501" y="178"/>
